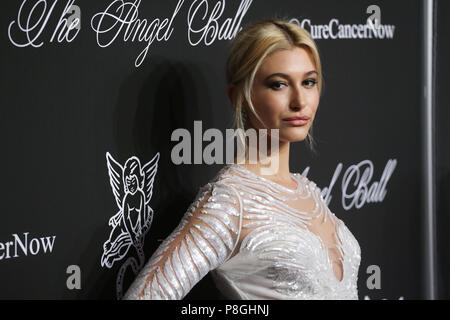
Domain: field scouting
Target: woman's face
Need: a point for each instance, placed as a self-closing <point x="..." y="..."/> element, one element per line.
<point x="131" y="182"/>
<point x="284" y="87"/>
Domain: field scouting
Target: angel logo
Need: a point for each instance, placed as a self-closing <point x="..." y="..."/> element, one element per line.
<point x="132" y="186"/>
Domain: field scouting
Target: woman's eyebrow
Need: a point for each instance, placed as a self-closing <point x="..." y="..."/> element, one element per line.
<point x="284" y="75"/>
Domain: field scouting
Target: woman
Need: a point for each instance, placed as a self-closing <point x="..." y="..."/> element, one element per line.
<point x="262" y="237"/>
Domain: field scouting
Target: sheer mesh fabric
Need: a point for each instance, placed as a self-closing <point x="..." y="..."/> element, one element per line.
<point x="261" y="240"/>
<point x="205" y="238"/>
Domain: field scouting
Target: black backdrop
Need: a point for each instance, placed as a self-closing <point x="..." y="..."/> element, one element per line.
<point x="65" y="105"/>
<point x="442" y="102"/>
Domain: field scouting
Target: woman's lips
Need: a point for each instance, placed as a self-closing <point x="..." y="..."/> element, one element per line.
<point x="297" y="122"/>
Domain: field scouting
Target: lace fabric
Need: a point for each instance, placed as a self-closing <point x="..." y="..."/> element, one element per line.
<point x="259" y="239"/>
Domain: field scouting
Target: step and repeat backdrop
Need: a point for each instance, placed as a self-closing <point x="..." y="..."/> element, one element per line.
<point x="92" y="90"/>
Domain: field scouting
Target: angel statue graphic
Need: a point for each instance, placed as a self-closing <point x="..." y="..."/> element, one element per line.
<point x="132" y="186"/>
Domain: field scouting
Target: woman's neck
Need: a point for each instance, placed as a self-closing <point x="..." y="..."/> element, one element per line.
<point x="274" y="166"/>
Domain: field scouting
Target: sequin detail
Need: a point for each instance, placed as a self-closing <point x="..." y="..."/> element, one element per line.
<point x="259" y="239"/>
<point x="204" y="239"/>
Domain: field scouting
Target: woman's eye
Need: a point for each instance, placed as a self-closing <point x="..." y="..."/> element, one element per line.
<point x="310" y="82"/>
<point x="275" y="85"/>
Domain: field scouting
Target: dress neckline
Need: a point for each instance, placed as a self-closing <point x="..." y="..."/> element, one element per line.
<point x="294" y="176"/>
<point x="337" y="223"/>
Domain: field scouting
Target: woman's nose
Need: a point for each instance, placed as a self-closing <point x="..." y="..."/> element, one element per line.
<point x="297" y="99"/>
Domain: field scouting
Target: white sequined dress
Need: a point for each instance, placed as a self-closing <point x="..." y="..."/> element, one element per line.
<point x="259" y="239"/>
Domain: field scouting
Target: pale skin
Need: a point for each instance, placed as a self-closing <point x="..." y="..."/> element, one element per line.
<point x="283" y="96"/>
<point x="279" y="97"/>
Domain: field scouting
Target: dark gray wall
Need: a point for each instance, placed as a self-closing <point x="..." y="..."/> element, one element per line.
<point x="65" y="105"/>
<point x="442" y="102"/>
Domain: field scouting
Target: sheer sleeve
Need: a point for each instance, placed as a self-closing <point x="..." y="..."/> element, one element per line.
<point x="206" y="237"/>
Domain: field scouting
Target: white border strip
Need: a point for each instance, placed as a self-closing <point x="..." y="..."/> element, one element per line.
<point x="429" y="177"/>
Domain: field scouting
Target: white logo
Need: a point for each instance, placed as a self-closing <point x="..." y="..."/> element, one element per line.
<point x="357" y="185"/>
<point x="132" y="186"/>
<point x="32" y="22"/>
<point x="123" y="21"/>
<point x="34" y="246"/>
<point x="337" y="30"/>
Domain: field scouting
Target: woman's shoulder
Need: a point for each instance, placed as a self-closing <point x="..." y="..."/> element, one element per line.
<point x="220" y="188"/>
<point x="227" y="176"/>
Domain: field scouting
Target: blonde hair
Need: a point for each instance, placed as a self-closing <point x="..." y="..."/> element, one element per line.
<point x="249" y="48"/>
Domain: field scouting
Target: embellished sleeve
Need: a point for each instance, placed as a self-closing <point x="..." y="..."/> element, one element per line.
<point x="205" y="238"/>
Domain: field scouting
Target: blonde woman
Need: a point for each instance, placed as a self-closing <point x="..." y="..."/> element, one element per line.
<point x="261" y="236"/>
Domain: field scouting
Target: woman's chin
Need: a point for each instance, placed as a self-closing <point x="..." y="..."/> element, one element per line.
<point x="294" y="135"/>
